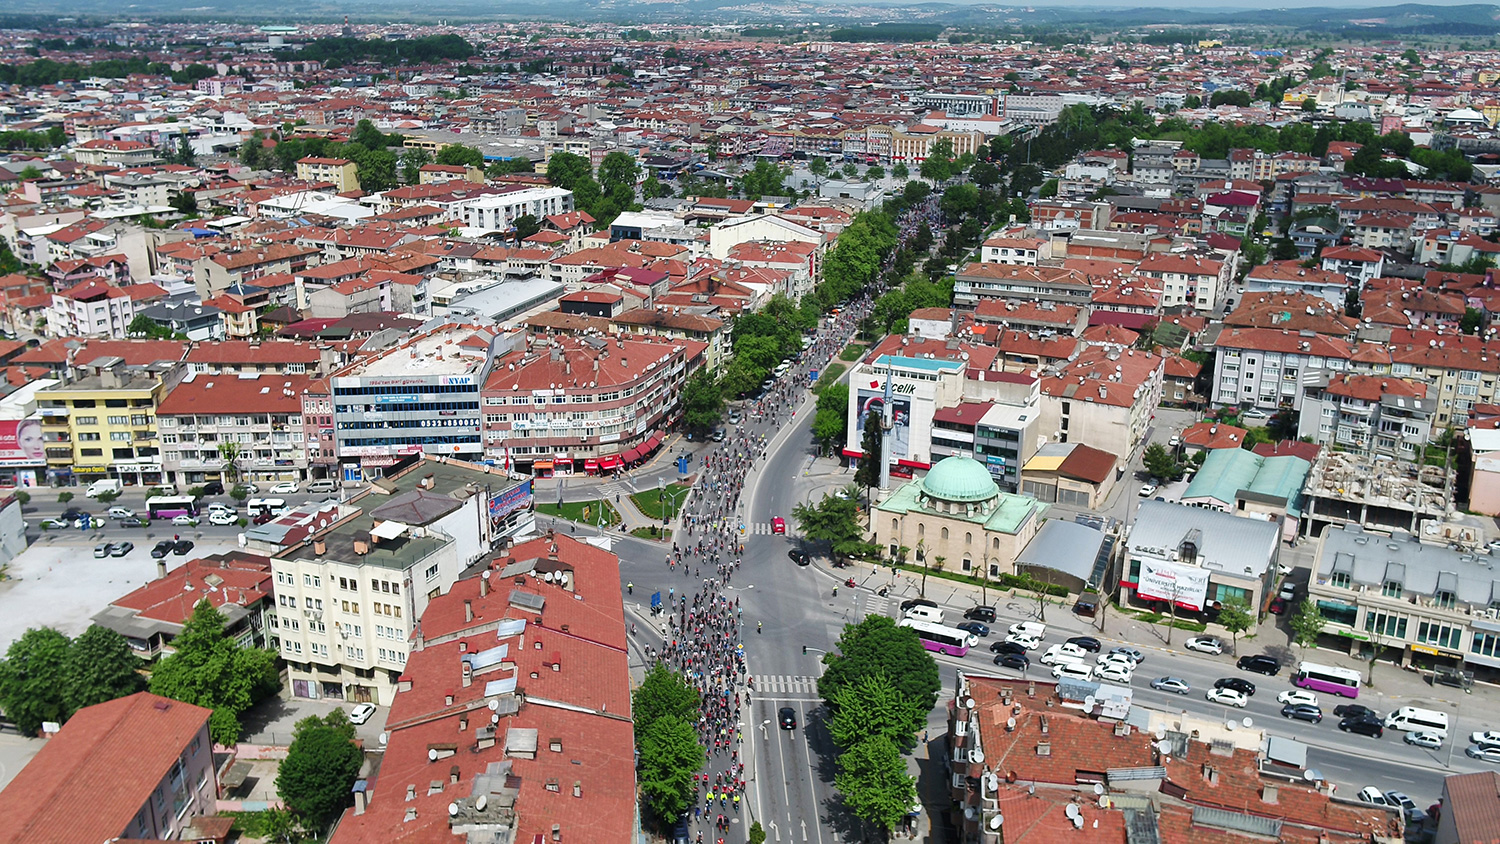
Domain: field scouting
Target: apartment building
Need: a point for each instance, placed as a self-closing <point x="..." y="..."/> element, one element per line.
<point x="1025" y="251"/>
<point x="1196" y="557"/>
<point x="979" y="281"/>
<point x="1357" y="264"/>
<point x="1291" y="277"/>
<point x="1189" y="281"/>
<point x="1369" y="414"/>
<point x="352" y="579"/>
<point x="93" y="308"/>
<point x="102" y="422"/>
<point x="223" y="427"/>
<point x="237" y="584"/>
<point x="1104" y="397"/>
<point x="567" y="404"/>
<point x="1265" y="368"/>
<point x="924" y="376"/>
<point x="342" y="173"/>
<point x="1461" y="368"/>
<point x="142" y="765"/>
<point x="244" y="262"/>
<point x="498" y="212"/>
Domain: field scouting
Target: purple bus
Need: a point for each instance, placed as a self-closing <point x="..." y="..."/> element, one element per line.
<point x="944" y="640"/>
<point x="1329" y="679"/>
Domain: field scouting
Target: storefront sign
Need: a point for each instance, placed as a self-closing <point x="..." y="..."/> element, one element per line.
<point x="1187" y="586"/>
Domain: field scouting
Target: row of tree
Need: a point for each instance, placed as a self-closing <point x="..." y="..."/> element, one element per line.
<point x="46" y="676"/>
<point x="665" y="707"/>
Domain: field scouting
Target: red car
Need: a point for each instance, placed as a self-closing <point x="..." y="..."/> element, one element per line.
<point x="778" y="525"/>
<point x="1278" y="606"/>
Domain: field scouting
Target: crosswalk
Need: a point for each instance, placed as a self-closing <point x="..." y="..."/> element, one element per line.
<point x="758" y="528"/>
<point x="772" y="685"/>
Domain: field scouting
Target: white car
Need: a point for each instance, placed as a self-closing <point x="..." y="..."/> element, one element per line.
<point x="1028" y="628"/>
<point x="1062" y="652"/>
<point x="1148" y="490"/>
<point x="361" y="713"/>
<point x="221" y="507"/>
<point x="1115" y="659"/>
<point x="284" y="488"/>
<point x="1228" y="697"/>
<point x="1486" y="738"/>
<point x="1115" y="673"/>
<point x="221" y="518"/>
<point x="1297" y="697"/>
<point x="1204" y="644"/>
<point x="121" y="513"/>
<point x="1371" y="794"/>
<point x="1422" y="738"/>
<point x="249" y="487"/>
<point x="1027" y="642"/>
<point x="185" y="521"/>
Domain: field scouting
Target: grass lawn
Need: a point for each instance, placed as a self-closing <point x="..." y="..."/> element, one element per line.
<point x="653" y="508"/>
<point x="574" y="511"/>
<point x="829" y="376"/>
<point x="852" y="352"/>
<point x="661" y="535"/>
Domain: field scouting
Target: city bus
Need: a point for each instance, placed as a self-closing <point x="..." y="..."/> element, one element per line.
<point x="167" y="506"/>
<point x="946" y="640"/>
<point x="1343" y="682"/>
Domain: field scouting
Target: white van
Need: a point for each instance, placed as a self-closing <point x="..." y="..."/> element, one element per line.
<point x="105" y="485"/>
<point x="931" y="615"/>
<point x="1412" y="719"/>
<point x="323" y="485"/>
<point x="1028" y="628"/>
<point x="1065" y="652"/>
<point x="1072" y="671"/>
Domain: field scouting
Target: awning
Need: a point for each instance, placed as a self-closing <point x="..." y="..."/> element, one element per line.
<point x="632" y="455"/>
<point x="590" y="463"/>
<point x="563" y="461"/>
<point x="849" y="452"/>
<point x="388" y="530"/>
<point x="914" y="464"/>
<point x="609" y="462"/>
<point x="652" y="443"/>
<point x="541" y="464"/>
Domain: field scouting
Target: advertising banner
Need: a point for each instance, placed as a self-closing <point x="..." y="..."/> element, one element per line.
<point x="510" y="500"/>
<point x="21" y="443"/>
<point x="1163" y="581"/>
<point x="900" y="421"/>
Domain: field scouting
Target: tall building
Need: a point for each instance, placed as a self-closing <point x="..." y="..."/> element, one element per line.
<point x="103" y="424"/>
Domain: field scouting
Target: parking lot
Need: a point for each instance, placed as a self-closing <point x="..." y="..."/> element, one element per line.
<point x="57" y="582"/>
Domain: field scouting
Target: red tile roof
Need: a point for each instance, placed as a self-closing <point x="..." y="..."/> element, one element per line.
<point x="233" y="578"/>
<point x="201" y="393"/>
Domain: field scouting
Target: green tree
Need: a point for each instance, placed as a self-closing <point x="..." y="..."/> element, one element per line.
<point x="874" y="173"/>
<point x="873" y="781"/>
<point x="654" y="188"/>
<point x="366" y="135"/>
<point x="1160" y="463"/>
<point x="320" y="766"/>
<point x="618" y="173"/>
<point x="764" y="179"/>
<point x="101" y="667"/>
<point x="1283" y="249"/>
<point x="835" y="521"/>
<point x="830" y="421"/>
<point x="868" y="473"/>
<point x="984" y="174"/>
<point x="31" y="679"/>
<point x="1473" y="318"/>
<point x="959" y="201"/>
<point x="209" y="669"/>
<point x="849" y="170"/>
<point x="1236" y="617"/>
<point x="519" y="164"/>
<point x="663" y="693"/>
<point x="1192" y="101"/>
<point x="412" y="162"/>
<point x="938" y="166"/>
<point x="670" y="757"/>
<point x="757" y="833"/>
<point x="1227" y="96"/>
<point x="565" y="170"/>
<point x="818" y="167"/>
<point x="280" y="826"/>
<point x="229" y="452"/>
<point x="525" y="226"/>
<point x="458" y="155"/>
<point x="185" y="154"/>
<point x="144" y="326"/>
<point x="871" y="708"/>
<point x="1306" y="624"/>
<point x="877" y="647"/>
<point x="702" y="401"/>
<point x="901" y="171"/>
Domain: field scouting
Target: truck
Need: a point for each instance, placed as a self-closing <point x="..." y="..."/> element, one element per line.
<point x="102" y="486"/>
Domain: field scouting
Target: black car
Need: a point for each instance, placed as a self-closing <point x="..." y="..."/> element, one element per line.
<point x="1007" y="648"/>
<point x="162" y="549"/>
<point x="1362" y="726"/>
<point x="182" y="546"/>
<point x="73" y="514"/>
<point x="132" y="521"/>
<point x="1260" y="664"/>
<point x="978" y="629"/>
<point x="1088" y="643"/>
<point x="916" y="602"/>
<point x="787" y="717"/>
<point x="1354" y="710"/>
<point x="798" y="557"/>
<point x="1302" y="712"/>
<point x="984" y="614"/>
<point x="1020" y="662"/>
<point x="1244" y="687"/>
<point x="213" y="488"/>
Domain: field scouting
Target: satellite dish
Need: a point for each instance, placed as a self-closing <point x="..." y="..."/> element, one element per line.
<point x="481" y="801"/>
<point x="1164" y="746"/>
<point x="1078" y="822"/>
<point x="494" y="705"/>
<point x="431" y="755"/>
<point x="1160" y="733"/>
<point x="1229" y="725"/>
<point x="970" y="812"/>
<point x="485" y="574"/>
<point x="996" y="822"/>
<point x="384" y="737"/>
<point x="452" y="810"/>
<point x="1247" y="722"/>
<point x="1098" y="788"/>
<point x="1089" y="701"/>
<point x="968" y="703"/>
<point x="1071" y="810"/>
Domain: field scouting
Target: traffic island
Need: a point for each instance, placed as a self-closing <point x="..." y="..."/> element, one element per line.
<point x="583" y="512"/>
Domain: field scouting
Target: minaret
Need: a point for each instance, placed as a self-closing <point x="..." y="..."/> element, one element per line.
<point x="347" y="33"/>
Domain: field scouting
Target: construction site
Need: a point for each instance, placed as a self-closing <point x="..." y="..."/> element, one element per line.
<point x="1377" y="493"/>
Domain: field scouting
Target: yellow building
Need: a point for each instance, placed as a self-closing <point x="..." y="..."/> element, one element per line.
<point x="339" y="171"/>
<point x="103" y="425"/>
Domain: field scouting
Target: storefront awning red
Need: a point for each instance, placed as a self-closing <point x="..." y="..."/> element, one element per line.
<point x="609" y="462"/>
<point x="652" y="443"/>
<point x="590" y="464"/>
<point x="849" y="452"/>
<point x="632" y="455"/>
<point x="914" y="464"/>
<point x="541" y="464"/>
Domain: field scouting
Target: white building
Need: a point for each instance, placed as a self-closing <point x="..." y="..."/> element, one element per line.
<point x="92" y="308"/>
<point x="498" y="212"/>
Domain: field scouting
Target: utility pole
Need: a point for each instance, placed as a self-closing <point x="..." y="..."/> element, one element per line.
<point x="887" y="422"/>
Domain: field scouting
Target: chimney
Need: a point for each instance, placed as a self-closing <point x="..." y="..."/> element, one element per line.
<point x="484" y="584"/>
<point x="320" y="547"/>
<point x="468" y="672"/>
<point x="161" y="568"/>
<point x="468" y="610"/>
<point x="359" y="801"/>
<point x="1268" y="794"/>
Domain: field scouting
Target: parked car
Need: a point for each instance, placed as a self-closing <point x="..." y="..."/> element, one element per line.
<point x="1260" y="664"/>
<point x="221" y="507"/>
<point x="1422" y="738"/>
<point x="1483" y="754"/>
<point x="787" y="717"/>
<point x="734" y="417"/>
<point x="1407" y="805"/>
<point x="1147" y="491"/>
<point x="1006" y="648"/>
<point x="322" y="486"/>
<point x="1297" y="697"/>
<point x="1486" y="737"/>
<point x="361" y="713"/>
<point x="917" y="602"/>
<point x="778" y="525"/>
<point x="1020" y="662"/>
<point x="285" y="488"/>
<point x="162" y="549"/>
<point x="1027" y="642"/>
<point x="1278" y="607"/>
<point x="1171" y="684"/>
<point x="121" y="513"/>
<point x="250" y="487"/>
<point x="185" y="521"/>
<point x="1228" y="697"/>
<point x="181" y="547"/>
<point x="122" y="548"/>
<point x="1302" y="712"/>
<point x="1364" y="727"/>
<point x="1088" y="643"/>
<point x="1244" y="687"/>
<point x="1063" y="653"/>
<point x="262" y="518"/>
<point x="1204" y="644"/>
<point x="1132" y="654"/>
<point x="980" y="613"/>
<point x="978" y="628"/>
<point x="213" y="488"/>
<point x="102" y="550"/>
<point x="222" y="518"/>
<point x="56" y="524"/>
<point x="1371" y="794"/>
<point x="1354" y="710"/>
<point x="1115" y="672"/>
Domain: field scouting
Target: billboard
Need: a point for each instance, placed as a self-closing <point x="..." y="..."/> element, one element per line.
<point x="510" y="500"/>
<point x="1163" y="581"/>
<point x="900" y="421"/>
<point x="21" y="443"/>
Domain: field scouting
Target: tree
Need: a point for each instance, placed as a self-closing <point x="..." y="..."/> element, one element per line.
<point x="1048" y="189"/>
<point x="873" y="781"/>
<point x="184" y="202"/>
<point x="31" y="690"/>
<point x="757" y="833"/>
<point x="366" y="135"/>
<point x="280" y="826"/>
<point x="506" y="167"/>
<point x="868" y="473"/>
<point x="874" y="173"/>
<point x="877" y="647"/>
<point x="1306" y="624"/>
<point x="458" y="155"/>
<point x="984" y="174"/>
<point x="565" y="170"/>
<point x="818" y="166"/>
<point x="663" y="693"/>
<point x="959" y="201"/>
<point x="525" y="226"/>
<point x="654" y="188"/>
<point x="64" y="497"/>
<point x="670" y="757"/>
<point x="229" y="452"/>
<point x="185" y="154"/>
<point x="618" y="172"/>
<point x="849" y="170"/>
<point x="900" y="171"/>
<point x="831" y="418"/>
<point x="1473" y="318"/>
<point x="1283" y="249"/>
<point x="412" y="162"/>
<point x="938" y="166"/>
<point x="836" y="521"/>
<point x="1227" y="96"/>
<point x="1192" y="101"/>
<point x="144" y="326"/>
<point x="1160" y="463"/>
<point x="209" y="669"/>
<point x="702" y="401"/>
<point x="765" y="179"/>
<point x="101" y="667"/>
<point x="319" y="768"/>
<point x="870" y="707"/>
<point x="1236" y="617"/>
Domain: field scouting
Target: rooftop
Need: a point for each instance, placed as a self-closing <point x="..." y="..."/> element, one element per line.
<point x="440" y="352"/>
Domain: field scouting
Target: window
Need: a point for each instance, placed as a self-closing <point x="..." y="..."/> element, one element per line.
<point x="85" y="420"/>
<point x="119" y="420"/>
<point x="1392" y="589"/>
<point x="432" y="571"/>
<point x="945" y="533"/>
<point x="1444" y="600"/>
<point x="1339" y="579"/>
